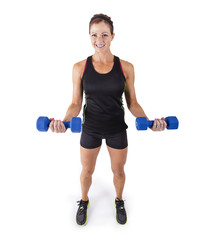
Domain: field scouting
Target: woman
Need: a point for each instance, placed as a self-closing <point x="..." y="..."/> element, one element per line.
<point x="103" y="78"/>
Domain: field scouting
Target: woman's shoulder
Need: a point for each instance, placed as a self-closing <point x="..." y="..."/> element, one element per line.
<point x="126" y="63"/>
<point x="127" y="67"/>
<point x="79" y="67"/>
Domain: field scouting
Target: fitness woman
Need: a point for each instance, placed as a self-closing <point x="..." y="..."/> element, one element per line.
<point x="103" y="78"/>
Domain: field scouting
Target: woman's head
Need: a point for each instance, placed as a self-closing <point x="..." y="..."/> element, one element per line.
<point x="101" y="32"/>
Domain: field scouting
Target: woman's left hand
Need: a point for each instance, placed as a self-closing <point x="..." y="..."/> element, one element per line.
<point x="159" y="125"/>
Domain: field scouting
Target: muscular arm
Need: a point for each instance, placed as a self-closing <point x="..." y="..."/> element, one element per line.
<point x="130" y="95"/>
<point x="77" y="97"/>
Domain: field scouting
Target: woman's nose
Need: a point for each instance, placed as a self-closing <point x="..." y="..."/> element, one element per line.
<point x="99" y="38"/>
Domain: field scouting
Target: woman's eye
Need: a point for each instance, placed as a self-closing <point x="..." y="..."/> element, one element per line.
<point x="104" y="35"/>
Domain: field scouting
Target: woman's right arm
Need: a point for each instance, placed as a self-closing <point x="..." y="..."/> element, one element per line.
<point x="77" y="98"/>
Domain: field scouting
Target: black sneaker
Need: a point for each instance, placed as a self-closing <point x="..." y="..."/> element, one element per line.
<point x="121" y="216"/>
<point x="82" y="215"/>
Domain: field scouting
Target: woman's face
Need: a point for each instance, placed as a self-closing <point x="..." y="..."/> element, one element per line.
<point x="101" y="37"/>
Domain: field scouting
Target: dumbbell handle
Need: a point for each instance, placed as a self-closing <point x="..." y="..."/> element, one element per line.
<point x="67" y="124"/>
<point x="150" y="123"/>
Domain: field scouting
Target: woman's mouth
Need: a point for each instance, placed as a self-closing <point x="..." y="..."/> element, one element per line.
<point x="100" y="45"/>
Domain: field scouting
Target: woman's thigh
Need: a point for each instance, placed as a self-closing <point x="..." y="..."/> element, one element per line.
<point x="118" y="158"/>
<point x="88" y="158"/>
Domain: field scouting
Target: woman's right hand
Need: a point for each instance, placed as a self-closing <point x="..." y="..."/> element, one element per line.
<point x="57" y="126"/>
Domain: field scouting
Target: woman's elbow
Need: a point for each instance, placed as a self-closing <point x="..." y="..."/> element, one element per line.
<point x="133" y="104"/>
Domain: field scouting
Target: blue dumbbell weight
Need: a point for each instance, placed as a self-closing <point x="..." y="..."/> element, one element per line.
<point x="142" y="123"/>
<point x="43" y="123"/>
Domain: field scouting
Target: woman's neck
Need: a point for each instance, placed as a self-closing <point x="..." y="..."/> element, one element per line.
<point x="103" y="58"/>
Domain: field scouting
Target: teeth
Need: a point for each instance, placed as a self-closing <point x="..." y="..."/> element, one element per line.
<point x="100" y="46"/>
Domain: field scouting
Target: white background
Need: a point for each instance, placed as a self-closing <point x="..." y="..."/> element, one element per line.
<point x="39" y="172"/>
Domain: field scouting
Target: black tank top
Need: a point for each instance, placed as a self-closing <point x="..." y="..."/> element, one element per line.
<point x="103" y="111"/>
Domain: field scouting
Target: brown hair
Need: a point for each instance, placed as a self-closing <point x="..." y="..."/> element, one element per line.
<point x="97" y="18"/>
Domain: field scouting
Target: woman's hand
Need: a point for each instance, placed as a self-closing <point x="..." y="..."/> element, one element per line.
<point x="57" y="126"/>
<point x="159" y="125"/>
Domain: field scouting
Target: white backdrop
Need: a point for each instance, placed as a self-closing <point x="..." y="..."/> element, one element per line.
<point x="39" y="172"/>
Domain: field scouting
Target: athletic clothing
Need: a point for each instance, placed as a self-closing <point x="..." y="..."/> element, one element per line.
<point x="103" y="111"/>
<point x="93" y="140"/>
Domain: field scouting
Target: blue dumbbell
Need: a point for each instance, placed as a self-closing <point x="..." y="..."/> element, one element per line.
<point x="44" y="122"/>
<point x="142" y="123"/>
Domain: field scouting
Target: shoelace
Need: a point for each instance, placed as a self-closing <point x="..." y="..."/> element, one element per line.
<point x="120" y="206"/>
<point x="83" y="206"/>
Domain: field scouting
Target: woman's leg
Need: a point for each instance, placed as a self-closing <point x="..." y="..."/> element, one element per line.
<point x="88" y="161"/>
<point x="118" y="159"/>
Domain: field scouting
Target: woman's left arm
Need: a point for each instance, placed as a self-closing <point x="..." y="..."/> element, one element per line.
<point x="132" y="103"/>
<point x="130" y="95"/>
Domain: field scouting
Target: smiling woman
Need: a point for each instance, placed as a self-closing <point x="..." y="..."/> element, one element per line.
<point x="103" y="78"/>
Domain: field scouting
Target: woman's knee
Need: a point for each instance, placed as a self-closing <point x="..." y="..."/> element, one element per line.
<point x="87" y="172"/>
<point x="119" y="173"/>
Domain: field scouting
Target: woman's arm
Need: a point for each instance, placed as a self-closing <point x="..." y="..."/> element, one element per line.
<point x="133" y="105"/>
<point x="130" y="95"/>
<point x="77" y="97"/>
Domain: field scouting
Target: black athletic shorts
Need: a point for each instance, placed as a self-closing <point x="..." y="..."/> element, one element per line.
<point x="93" y="140"/>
